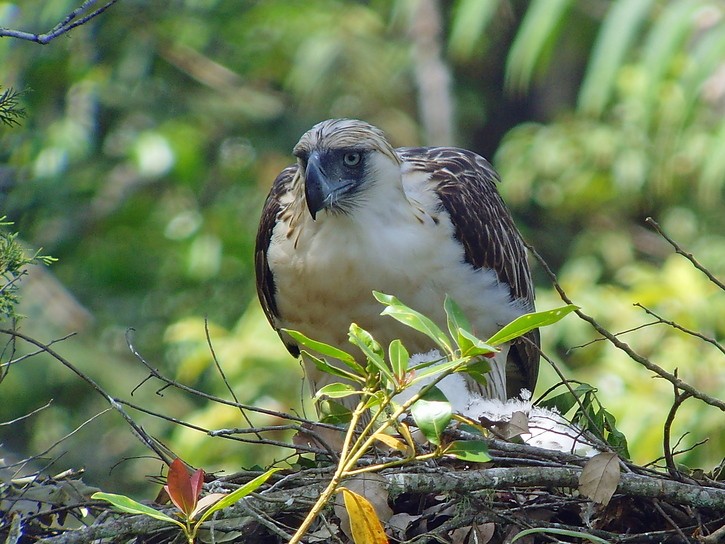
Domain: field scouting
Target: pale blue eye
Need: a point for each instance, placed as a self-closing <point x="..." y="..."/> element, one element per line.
<point x="351" y="159"/>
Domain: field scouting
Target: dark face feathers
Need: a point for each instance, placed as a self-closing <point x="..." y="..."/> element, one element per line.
<point x="332" y="178"/>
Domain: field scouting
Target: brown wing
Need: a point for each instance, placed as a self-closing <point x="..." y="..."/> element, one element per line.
<point x="466" y="186"/>
<point x="266" y="289"/>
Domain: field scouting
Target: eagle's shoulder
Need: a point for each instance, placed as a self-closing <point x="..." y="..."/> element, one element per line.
<point x="464" y="184"/>
<point x="275" y="203"/>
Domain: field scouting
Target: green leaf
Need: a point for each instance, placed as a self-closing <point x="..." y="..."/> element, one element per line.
<point x="474" y="451"/>
<point x="525" y="323"/>
<point x="336" y="391"/>
<point x="326" y="350"/>
<point x="327" y="368"/>
<point x="471" y="346"/>
<point x="334" y="413"/>
<point x="455" y="317"/>
<point x="432" y="413"/>
<point x="238" y="494"/>
<point x="415" y="320"/>
<point x="616" y="438"/>
<point x="477" y="369"/>
<point x="130" y="506"/>
<point x="565" y="401"/>
<point x="399" y="358"/>
<point x="432" y="369"/>
<point x="371" y="349"/>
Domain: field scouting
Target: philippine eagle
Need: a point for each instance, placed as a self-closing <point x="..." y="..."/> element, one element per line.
<point x="356" y="215"/>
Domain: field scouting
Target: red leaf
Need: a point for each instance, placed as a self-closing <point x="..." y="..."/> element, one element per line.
<point x="183" y="489"/>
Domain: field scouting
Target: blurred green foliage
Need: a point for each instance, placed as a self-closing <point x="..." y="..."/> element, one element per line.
<point x="153" y="133"/>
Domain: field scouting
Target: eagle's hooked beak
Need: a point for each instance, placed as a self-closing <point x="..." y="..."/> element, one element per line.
<point x="318" y="188"/>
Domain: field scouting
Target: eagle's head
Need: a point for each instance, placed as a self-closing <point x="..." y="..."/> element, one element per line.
<point x="340" y="161"/>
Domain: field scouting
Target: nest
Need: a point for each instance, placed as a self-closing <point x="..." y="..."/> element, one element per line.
<point x="524" y="491"/>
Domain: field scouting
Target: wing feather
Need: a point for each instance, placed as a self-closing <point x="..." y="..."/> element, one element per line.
<point x="266" y="289"/>
<point x="465" y="183"/>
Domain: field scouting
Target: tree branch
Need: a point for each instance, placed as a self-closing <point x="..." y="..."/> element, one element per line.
<point x="67" y="24"/>
<point x="616" y="342"/>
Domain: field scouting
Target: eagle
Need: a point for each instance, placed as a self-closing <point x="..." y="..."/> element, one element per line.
<point x="355" y="215"/>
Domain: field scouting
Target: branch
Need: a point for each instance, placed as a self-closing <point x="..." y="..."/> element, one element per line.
<point x="616" y="342"/>
<point x="67" y="24"/>
<point x="632" y="485"/>
<point x="145" y="438"/>
<point x="684" y="253"/>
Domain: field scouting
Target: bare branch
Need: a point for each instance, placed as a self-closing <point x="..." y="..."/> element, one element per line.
<point x="674" y="325"/>
<point x="70" y="22"/>
<point x="616" y="342"/>
<point x="685" y="254"/>
<point x="147" y="440"/>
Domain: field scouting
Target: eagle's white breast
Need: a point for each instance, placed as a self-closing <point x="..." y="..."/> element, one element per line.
<point x="397" y="241"/>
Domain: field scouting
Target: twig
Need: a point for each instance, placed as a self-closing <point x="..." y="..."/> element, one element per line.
<point x="666" y="446"/>
<point x="223" y="375"/>
<point x="684" y="253"/>
<point x="679" y="327"/>
<point x="142" y="435"/>
<point x="25" y="416"/>
<point x="67" y="24"/>
<point x="669" y="520"/>
<point x="201" y="394"/>
<point x="649" y="365"/>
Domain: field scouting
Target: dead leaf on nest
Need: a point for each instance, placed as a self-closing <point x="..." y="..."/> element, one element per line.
<point x="400" y="523"/>
<point x="600" y="477"/>
<point x="517" y="425"/>
<point x="473" y="534"/>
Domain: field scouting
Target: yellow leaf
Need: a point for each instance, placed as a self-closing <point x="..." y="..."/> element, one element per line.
<point x="393" y="442"/>
<point x="364" y="523"/>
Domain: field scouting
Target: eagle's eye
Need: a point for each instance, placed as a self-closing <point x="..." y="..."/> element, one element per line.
<point x="351" y="159"/>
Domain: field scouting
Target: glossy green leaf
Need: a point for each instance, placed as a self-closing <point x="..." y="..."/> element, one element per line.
<point x="525" y="323"/>
<point x="371" y="349"/>
<point x="471" y="346"/>
<point x="399" y="358"/>
<point x="432" y="413"/>
<point x="333" y="412"/>
<point x="473" y="451"/>
<point x="327" y="368"/>
<point x="337" y="391"/>
<point x="455" y="317"/>
<point x="565" y="401"/>
<point x="130" y="506"/>
<point x="425" y="371"/>
<point x="239" y="493"/>
<point x="413" y="319"/>
<point x="478" y="369"/>
<point x="325" y="350"/>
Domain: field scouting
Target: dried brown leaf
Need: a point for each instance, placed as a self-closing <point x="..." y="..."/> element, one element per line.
<point x="600" y="477"/>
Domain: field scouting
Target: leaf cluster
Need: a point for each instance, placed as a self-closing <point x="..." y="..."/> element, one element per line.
<point x="13" y="263"/>
<point x="378" y="417"/>
<point x="10" y="110"/>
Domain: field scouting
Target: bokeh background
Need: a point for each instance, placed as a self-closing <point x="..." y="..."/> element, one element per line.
<point x="153" y="133"/>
